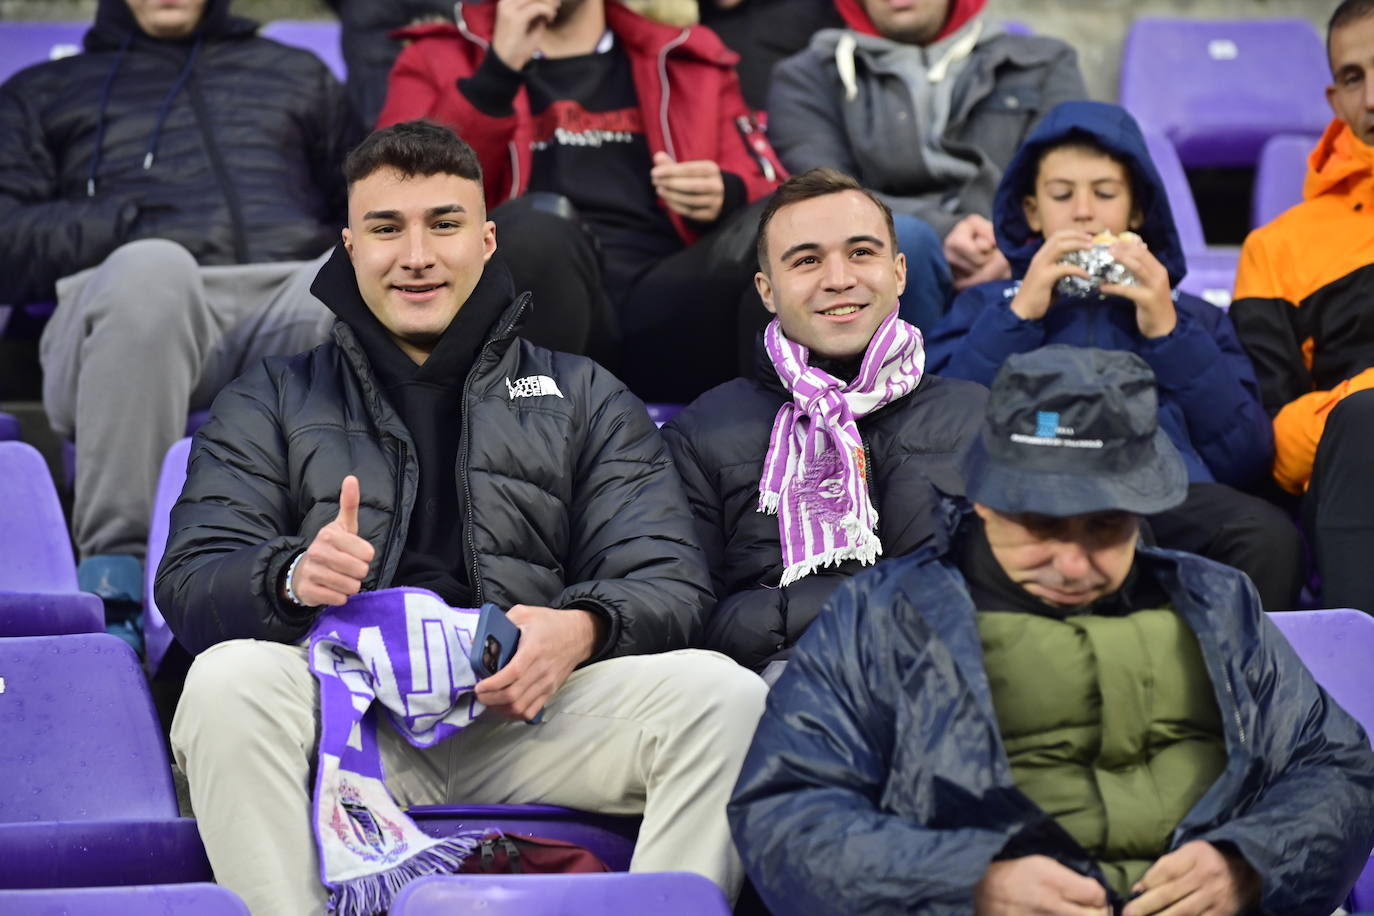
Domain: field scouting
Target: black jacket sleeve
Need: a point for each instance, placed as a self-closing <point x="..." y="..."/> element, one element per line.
<point x="227" y="545"/>
<point x="46" y="236"/>
<point x="635" y="557"/>
<point x="333" y="131"/>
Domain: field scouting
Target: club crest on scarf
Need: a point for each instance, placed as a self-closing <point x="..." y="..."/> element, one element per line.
<point x="815" y="475"/>
<point x="396" y="658"/>
<point x="368" y="836"/>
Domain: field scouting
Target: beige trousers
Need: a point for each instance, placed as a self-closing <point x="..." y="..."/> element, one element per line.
<point x="659" y="735"/>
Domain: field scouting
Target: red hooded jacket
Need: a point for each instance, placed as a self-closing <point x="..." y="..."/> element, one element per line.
<point x="688" y="93"/>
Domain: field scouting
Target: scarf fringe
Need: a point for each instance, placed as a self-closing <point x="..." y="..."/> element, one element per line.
<point x="768" y="502"/>
<point x="371" y="895"/>
<point x="866" y="553"/>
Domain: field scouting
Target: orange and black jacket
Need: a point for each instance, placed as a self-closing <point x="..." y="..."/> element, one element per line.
<point x="1304" y="302"/>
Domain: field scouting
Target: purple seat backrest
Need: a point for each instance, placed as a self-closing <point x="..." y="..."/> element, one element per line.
<point x="662" y="413"/>
<point x="23" y="44"/>
<point x="157" y="637"/>
<point x="1279" y="176"/>
<point x="320" y="38"/>
<point x="1217" y="89"/>
<point x="662" y="894"/>
<point x="1336" y="646"/>
<point x="611" y="838"/>
<point x="144" y="900"/>
<point x="9" y="427"/>
<point x="81" y="739"/>
<point x="37" y="554"/>
<point x="1181" y="202"/>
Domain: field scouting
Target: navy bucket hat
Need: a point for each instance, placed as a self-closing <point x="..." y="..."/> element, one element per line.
<point x="1073" y="430"/>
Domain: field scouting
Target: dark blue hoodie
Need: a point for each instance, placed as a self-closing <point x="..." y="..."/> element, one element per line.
<point x="1208" y="397"/>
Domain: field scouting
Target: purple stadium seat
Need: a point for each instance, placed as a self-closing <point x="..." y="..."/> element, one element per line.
<point x="319" y="37"/>
<point x="9" y="426"/>
<point x="1211" y="271"/>
<point x="662" y="894"/>
<point x="23" y="44"/>
<point x="1279" y="176"/>
<point x="157" y="636"/>
<point x="38" y="590"/>
<point x="86" y="792"/>
<point x="612" y="838"/>
<point x="155" y="900"/>
<point x="1336" y="645"/>
<point x="1217" y="89"/>
<point x="662" y="413"/>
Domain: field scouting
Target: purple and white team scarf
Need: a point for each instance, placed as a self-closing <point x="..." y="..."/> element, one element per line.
<point x="401" y="651"/>
<point x="815" y="474"/>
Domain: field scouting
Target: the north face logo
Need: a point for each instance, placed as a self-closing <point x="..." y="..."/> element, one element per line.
<point x="532" y="386"/>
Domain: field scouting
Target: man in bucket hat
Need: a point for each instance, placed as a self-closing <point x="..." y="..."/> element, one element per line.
<point x="1053" y="717"/>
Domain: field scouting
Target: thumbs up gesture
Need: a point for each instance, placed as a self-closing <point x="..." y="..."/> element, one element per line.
<point x="336" y="562"/>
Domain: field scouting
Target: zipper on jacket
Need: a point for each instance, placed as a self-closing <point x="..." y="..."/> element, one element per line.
<point x="397" y="531"/>
<point x="663" y="95"/>
<point x="501" y="333"/>
<point x="221" y="174"/>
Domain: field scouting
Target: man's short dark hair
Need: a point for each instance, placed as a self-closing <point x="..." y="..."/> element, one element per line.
<point x="413" y="148"/>
<point x="1349" y="11"/>
<point x="815" y="183"/>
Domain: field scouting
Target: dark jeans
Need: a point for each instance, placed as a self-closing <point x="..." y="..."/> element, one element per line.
<point x="1242" y="531"/>
<point x="550" y="254"/>
<point x="1338" y="510"/>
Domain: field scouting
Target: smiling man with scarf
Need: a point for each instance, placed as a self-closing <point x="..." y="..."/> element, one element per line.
<point x="843" y="450"/>
<point x="171" y="187"/>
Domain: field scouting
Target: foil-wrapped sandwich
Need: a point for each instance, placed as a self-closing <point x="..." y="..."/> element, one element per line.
<point x="1099" y="264"/>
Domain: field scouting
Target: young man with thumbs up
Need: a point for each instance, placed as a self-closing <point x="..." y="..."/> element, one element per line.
<point x="426" y="445"/>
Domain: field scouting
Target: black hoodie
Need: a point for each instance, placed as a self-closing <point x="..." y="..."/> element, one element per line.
<point x="224" y="142"/>
<point x="429" y="400"/>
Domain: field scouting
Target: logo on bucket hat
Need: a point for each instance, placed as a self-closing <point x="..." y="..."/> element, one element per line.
<point x="1073" y="430"/>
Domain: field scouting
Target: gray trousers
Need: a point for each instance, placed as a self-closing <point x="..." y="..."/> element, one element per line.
<point x="659" y="735"/>
<point x="139" y="341"/>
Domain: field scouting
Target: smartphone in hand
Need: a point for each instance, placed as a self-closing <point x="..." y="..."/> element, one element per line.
<point x="494" y="644"/>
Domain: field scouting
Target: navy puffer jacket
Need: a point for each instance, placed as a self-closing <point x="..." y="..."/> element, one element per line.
<point x="913" y="448"/>
<point x="1209" y="402"/>
<point x="566" y="492"/>
<point x="224" y="142"/>
<point x="878" y="783"/>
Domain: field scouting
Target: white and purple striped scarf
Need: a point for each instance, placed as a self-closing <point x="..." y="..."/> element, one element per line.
<point x="399" y="654"/>
<point x="814" y="476"/>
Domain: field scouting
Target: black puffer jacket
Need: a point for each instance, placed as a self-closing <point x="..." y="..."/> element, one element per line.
<point x="719" y="444"/>
<point x="224" y="142"/>
<point x="566" y="492"/>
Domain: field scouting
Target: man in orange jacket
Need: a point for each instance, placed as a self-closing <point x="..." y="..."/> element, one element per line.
<point x="1303" y="312"/>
